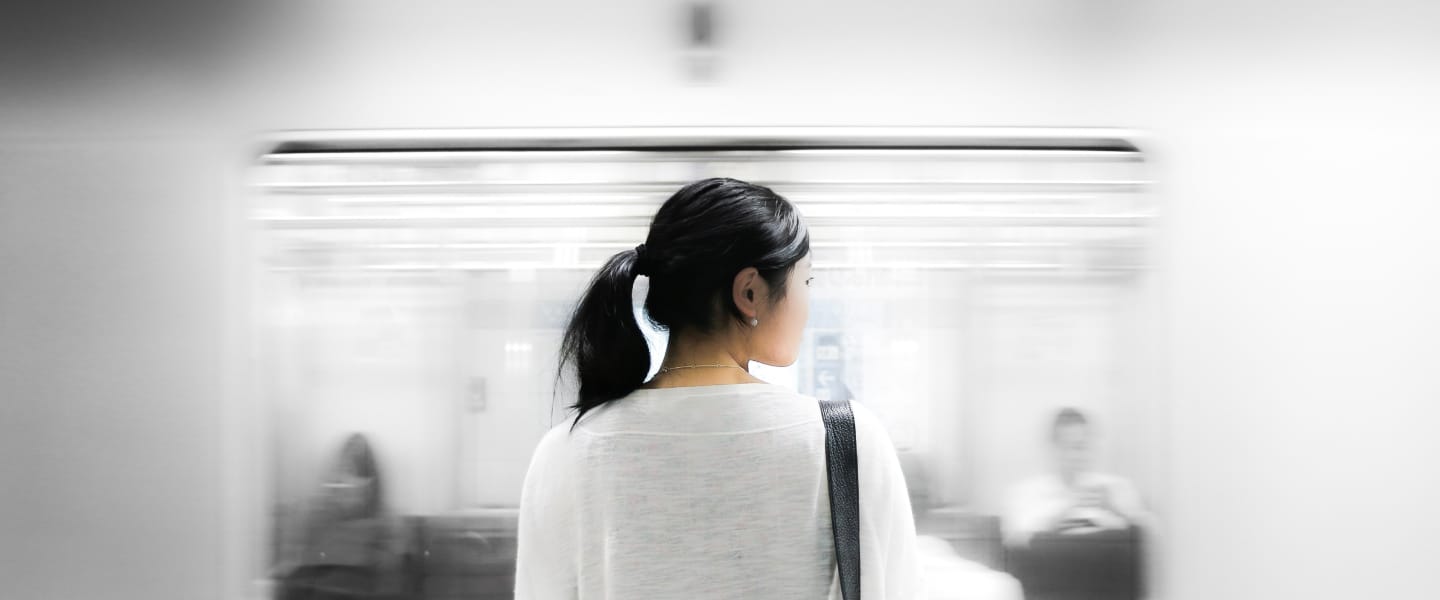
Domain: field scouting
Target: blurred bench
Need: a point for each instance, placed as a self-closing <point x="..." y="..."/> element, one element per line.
<point x="467" y="556"/>
<point x="1105" y="565"/>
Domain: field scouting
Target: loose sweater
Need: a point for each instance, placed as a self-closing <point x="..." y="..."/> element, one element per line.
<point x="704" y="492"/>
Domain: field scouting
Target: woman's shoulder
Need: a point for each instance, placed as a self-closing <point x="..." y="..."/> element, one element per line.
<point x="875" y="449"/>
<point x="870" y="429"/>
<point x="552" y="448"/>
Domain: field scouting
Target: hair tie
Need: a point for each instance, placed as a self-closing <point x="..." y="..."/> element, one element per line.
<point x="644" y="264"/>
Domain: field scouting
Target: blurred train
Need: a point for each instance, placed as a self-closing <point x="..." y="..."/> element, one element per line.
<point x="970" y="282"/>
<point x="284" y="283"/>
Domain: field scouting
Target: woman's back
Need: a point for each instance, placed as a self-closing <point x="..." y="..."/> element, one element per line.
<point x="706" y="492"/>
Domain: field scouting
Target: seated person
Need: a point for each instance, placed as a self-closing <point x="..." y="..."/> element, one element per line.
<point x="347" y="547"/>
<point x="1074" y="498"/>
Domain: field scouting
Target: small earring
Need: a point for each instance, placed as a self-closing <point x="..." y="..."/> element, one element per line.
<point x="754" y="322"/>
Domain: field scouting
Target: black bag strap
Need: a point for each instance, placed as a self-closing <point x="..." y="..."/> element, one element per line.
<point x="844" y="475"/>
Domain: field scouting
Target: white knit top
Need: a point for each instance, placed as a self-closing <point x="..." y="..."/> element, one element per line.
<point x="707" y="492"/>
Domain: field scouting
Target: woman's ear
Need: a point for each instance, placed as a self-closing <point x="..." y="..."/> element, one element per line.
<point x="742" y="292"/>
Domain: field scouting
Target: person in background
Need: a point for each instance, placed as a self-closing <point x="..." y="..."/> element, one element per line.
<point x="1074" y="498"/>
<point x="348" y="546"/>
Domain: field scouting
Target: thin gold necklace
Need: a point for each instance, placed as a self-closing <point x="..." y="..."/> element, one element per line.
<point x="668" y="369"/>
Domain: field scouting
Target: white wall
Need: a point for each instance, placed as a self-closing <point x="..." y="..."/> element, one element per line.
<point x="110" y="371"/>
<point x="1290" y="139"/>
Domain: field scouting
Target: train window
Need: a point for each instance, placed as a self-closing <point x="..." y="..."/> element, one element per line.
<point x="969" y="283"/>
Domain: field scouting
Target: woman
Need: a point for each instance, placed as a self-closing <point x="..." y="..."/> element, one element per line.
<point x="703" y="482"/>
<point x="349" y="547"/>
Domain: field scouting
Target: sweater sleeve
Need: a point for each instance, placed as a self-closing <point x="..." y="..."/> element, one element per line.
<point x="893" y="569"/>
<point x="544" y="561"/>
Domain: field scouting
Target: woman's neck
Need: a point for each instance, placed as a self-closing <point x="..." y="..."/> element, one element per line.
<point x="669" y="381"/>
<point x="692" y="353"/>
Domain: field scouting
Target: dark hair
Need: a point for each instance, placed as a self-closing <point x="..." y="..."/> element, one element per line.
<point x="357" y="459"/>
<point x="1066" y="416"/>
<point x="699" y="239"/>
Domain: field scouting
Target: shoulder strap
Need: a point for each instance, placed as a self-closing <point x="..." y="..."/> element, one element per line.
<point x="844" y="475"/>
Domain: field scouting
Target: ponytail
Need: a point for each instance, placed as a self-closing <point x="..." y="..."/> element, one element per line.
<point x="604" y="340"/>
<point x="706" y="232"/>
